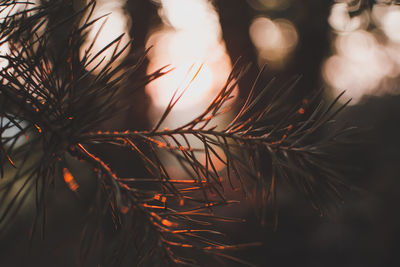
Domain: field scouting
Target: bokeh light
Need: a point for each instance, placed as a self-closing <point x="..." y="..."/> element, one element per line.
<point x="10" y="10"/>
<point x="367" y="52"/>
<point x="274" y="39"/>
<point x="117" y="22"/>
<point x="190" y="42"/>
<point x="190" y="37"/>
<point x="15" y="8"/>
<point x="391" y="23"/>
<point x="340" y="19"/>
<point x="4" y="50"/>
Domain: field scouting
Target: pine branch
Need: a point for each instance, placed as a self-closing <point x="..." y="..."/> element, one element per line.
<point x="52" y="99"/>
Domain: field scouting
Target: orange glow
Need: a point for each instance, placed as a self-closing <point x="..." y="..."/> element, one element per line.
<point x="167" y="223"/>
<point x="10" y="160"/>
<point x="124" y="210"/>
<point x="38" y="128"/>
<point x="69" y="180"/>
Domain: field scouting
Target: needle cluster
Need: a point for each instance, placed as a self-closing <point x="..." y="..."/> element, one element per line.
<point x="55" y="101"/>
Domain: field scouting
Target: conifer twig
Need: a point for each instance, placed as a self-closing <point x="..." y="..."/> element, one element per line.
<point x="56" y="101"/>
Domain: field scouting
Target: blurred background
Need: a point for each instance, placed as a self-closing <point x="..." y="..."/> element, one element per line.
<point x="351" y="45"/>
